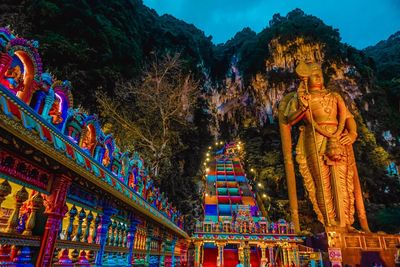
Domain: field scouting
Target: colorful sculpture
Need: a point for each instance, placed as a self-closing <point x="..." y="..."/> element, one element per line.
<point x="80" y="189"/>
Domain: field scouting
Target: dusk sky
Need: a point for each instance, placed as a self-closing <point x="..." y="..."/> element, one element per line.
<point x="361" y="22"/>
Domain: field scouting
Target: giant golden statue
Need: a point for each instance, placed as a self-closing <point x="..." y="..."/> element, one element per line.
<point x="324" y="151"/>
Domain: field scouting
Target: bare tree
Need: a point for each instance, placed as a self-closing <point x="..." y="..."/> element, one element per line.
<point x="148" y="114"/>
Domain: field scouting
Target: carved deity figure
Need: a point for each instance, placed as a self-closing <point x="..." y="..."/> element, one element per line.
<point x="14" y="76"/>
<point x="55" y="112"/>
<point x="324" y="149"/>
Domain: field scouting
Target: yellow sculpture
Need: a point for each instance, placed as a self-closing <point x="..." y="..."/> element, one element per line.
<point x="324" y="150"/>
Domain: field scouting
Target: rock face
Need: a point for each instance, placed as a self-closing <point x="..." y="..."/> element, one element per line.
<point x="246" y="98"/>
<point x="256" y="99"/>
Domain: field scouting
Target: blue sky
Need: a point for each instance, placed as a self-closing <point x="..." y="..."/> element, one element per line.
<point x="361" y="22"/>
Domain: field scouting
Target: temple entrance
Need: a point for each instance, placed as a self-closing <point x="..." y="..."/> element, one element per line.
<point x="255" y="256"/>
<point x="231" y="256"/>
<point x="210" y="253"/>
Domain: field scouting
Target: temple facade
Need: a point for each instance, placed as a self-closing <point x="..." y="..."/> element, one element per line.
<point x="234" y="228"/>
<point x="68" y="195"/>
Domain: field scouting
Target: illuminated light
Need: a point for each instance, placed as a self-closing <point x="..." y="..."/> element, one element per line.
<point x="206" y="194"/>
<point x="207" y="159"/>
<point x="216" y="143"/>
<point x="61" y="102"/>
<point x="252" y="170"/>
<point x="208" y="154"/>
<point x="209" y="147"/>
<point x="264" y="195"/>
<point x="221" y="143"/>
<point x="259" y="184"/>
<point x="204" y="164"/>
<point x="208" y="169"/>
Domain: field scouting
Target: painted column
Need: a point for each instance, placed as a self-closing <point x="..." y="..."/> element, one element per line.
<point x="285" y="257"/>
<point x="148" y="244"/>
<point x="197" y="252"/>
<point x="240" y="252"/>
<point x="55" y="210"/>
<point x="131" y="239"/>
<point x="220" y="256"/>
<point x="264" y="259"/>
<point x="271" y="255"/>
<point x="173" y="244"/>
<point x="163" y="236"/>
<point x="246" y="250"/>
<point x="296" y="256"/>
<point x="102" y="232"/>
<point x="184" y="254"/>
<point x="290" y="256"/>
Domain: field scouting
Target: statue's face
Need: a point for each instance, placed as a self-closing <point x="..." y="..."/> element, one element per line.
<point x="316" y="80"/>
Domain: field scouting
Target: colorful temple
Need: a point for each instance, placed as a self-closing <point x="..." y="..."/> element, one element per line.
<point x="234" y="228"/>
<point x="68" y="195"/>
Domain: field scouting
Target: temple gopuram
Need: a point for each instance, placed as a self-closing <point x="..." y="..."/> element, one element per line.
<point x="234" y="228"/>
<point x="68" y="195"/>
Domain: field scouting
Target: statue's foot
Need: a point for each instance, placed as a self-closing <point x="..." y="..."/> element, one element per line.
<point x="351" y="229"/>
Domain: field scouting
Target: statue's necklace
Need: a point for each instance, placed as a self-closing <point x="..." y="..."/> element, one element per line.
<point x="325" y="101"/>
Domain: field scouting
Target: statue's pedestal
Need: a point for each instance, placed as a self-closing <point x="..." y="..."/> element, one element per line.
<point x="363" y="248"/>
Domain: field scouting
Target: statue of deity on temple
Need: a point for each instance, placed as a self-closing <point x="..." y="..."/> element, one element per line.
<point x="324" y="150"/>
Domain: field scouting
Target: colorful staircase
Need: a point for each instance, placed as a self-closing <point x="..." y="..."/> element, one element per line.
<point x="228" y="192"/>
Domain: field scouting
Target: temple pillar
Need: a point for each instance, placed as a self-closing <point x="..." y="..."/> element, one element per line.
<point x="131" y="239"/>
<point x="197" y="253"/>
<point x="220" y="256"/>
<point x="240" y="252"/>
<point x="55" y="210"/>
<point x="173" y="244"/>
<point x="102" y="232"/>
<point x="246" y="253"/>
<point x="290" y="256"/>
<point x="162" y="254"/>
<point x="148" y="244"/>
<point x="184" y="254"/>
<point x="264" y="260"/>
<point x="285" y="257"/>
<point x="271" y="255"/>
<point x="295" y="253"/>
<point x="163" y="236"/>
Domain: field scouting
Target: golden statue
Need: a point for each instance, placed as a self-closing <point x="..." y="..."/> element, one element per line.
<point x="324" y="150"/>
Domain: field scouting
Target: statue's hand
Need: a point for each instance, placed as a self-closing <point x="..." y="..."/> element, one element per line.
<point x="347" y="139"/>
<point x="303" y="95"/>
<point x="303" y="100"/>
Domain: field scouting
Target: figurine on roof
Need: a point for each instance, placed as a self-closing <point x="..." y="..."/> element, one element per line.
<point x="139" y="185"/>
<point x="149" y="186"/>
<point x="160" y="196"/>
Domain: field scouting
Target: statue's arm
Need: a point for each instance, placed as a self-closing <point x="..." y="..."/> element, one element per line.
<point x="295" y="112"/>
<point x="346" y="122"/>
<point x="351" y="135"/>
<point x="342" y="114"/>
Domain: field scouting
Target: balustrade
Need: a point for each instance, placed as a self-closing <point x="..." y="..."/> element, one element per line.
<point x="74" y="257"/>
<point x="260" y="227"/>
